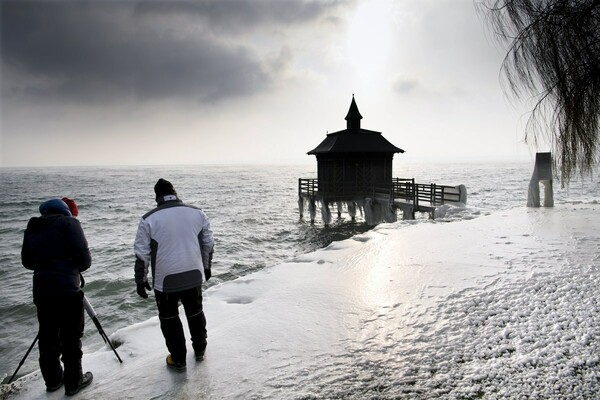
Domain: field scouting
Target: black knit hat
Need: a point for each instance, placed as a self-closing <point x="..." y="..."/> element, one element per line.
<point x="163" y="188"/>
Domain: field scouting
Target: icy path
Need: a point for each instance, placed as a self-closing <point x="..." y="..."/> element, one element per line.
<point x="505" y="305"/>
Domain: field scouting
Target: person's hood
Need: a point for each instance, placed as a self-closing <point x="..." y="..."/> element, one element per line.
<point x="55" y="206"/>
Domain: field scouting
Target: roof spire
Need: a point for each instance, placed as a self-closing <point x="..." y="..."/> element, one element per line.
<point x="353" y="118"/>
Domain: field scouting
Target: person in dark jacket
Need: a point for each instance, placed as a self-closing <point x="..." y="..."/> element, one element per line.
<point x="55" y="248"/>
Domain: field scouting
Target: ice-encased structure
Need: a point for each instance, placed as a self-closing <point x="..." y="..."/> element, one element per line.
<point x="379" y="209"/>
<point x="374" y="212"/>
<point x="542" y="173"/>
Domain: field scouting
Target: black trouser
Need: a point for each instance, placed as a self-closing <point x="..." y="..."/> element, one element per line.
<point x="61" y="328"/>
<point x="170" y="324"/>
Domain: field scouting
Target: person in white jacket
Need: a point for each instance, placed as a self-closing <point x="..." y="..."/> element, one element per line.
<point x="176" y="241"/>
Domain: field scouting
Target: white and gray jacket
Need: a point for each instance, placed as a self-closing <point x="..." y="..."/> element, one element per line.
<point x="175" y="239"/>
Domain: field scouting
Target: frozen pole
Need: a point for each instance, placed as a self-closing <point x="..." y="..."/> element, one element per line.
<point x="92" y="314"/>
<point x="542" y="172"/>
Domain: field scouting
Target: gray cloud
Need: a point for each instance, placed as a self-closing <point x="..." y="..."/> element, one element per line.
<point x="237" y="16"/>
<point x="404" y="85"/>
<point x="105" y="50"/>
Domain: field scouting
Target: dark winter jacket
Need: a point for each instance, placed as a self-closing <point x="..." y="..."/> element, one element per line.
<point x="55" y="248"/>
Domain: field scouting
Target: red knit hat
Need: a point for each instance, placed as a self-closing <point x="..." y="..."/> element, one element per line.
<point x="72" y="206"/>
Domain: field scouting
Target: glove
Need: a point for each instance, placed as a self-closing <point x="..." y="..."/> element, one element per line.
<point x="207" y="272"/>
<point x="141" y="289"/>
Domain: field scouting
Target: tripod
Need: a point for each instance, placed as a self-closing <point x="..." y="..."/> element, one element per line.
<point x="90" y="311"/>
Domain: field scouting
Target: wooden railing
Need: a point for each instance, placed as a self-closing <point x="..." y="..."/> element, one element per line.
<point x="434" y="194"/>
<point x="339" y="190"/>
<point x="402" y="189"/>
<point x="308" y="186"/>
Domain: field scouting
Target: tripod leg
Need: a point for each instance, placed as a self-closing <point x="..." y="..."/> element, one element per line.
<point x="23" y="360"/>
<point x="105" y="338"/>
<point x="90" y="310"/>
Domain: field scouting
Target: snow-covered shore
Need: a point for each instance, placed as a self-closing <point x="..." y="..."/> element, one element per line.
<point x="500" y="306"/>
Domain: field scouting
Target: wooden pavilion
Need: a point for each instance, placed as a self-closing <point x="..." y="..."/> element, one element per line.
<point x="354" y="161"/>
<point x="354" y="167"/>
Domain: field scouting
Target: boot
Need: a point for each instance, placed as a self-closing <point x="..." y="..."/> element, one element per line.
<point x="177" y="366"/>
<point x="56" y="382"/>
<point x="85" y="381"/>
<point x="54" y="387"/>
<point x="199" y="351"/>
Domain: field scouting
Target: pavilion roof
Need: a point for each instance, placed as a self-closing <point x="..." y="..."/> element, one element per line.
<point x="354" y="139"/>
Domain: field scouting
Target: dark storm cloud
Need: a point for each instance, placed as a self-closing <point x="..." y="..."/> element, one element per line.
<point x="97" y="51"/>
<point x="240" y="15"/>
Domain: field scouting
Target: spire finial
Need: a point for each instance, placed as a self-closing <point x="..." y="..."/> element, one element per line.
<point x="353" y="118"/>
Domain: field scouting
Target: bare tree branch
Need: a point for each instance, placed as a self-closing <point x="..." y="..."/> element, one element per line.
<point x="554" y="56"/>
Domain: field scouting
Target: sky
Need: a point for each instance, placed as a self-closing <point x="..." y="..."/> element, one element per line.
<point x="233" y="82"/>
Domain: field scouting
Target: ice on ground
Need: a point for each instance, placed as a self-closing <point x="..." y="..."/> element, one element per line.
<point x="501" y="306"/>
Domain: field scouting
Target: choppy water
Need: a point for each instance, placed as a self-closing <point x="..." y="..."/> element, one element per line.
<point x="253" y="212"/>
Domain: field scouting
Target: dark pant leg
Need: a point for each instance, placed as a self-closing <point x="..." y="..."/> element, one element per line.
<point x="49" y="342"/>
<point x="192" y="304"/>
<point x="170" y="324"/>
<point x="71" y="331"/>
